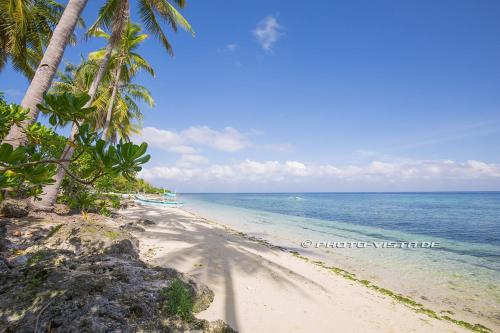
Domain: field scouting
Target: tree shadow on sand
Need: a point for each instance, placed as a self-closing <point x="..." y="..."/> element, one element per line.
<point x="223" y="253"/>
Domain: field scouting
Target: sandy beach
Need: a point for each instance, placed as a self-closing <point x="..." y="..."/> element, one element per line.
<point x="260" y="288"/>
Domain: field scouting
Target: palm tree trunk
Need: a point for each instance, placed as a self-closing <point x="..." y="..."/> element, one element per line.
<point x="103" y="66"/>
<point x="116" y="34"/>
<point x="46" y="69"/>
<point x="111" y="105"/>
<point x="50" y="192"/>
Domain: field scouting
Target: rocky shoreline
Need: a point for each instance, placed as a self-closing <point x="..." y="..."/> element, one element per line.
<point x="83" y="273"/>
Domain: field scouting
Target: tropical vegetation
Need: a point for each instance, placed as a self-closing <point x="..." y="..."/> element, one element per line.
<point x="26" y="169"/>
<point x="98" y="99"/>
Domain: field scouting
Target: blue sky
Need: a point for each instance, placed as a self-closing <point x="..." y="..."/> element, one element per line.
<point x="330" y="96"/>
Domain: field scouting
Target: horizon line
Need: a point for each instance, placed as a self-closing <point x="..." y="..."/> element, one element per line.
<point x="339" y="192"/>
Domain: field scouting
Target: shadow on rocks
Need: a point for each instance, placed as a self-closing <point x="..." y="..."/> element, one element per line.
<point x="87" y="277"/>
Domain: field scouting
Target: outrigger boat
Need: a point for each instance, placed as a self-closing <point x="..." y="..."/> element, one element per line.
<point x="168" y="199"/>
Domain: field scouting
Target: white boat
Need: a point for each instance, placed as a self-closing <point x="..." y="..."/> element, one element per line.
<point x="168" y="199"/>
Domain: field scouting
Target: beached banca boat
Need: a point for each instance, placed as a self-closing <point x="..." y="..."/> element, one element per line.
<point x="168" y="199"/>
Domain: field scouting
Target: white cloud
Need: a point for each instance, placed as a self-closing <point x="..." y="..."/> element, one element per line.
<point x="179" y="174"/>
<point x="183" y="150"/>
<point x="228" y="140"/>
<point x="267" y="32"/>
<point x="188" y="161"/>
<point x="249" y="171"/>
<point x="160" y="138"/>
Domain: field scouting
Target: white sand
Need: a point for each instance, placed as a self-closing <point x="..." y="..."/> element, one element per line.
<point x="259" y="289"/>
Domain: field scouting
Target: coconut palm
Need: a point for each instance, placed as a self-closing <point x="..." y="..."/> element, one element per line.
<point x="114" y="16"/>
<point x="127" y="116"/>
<point x="126" y="112"/>
<point x="76" y="79"/>
<point x="125" y="64"/>
<point x="48" y="65"/>
<point x="25" y="30"/>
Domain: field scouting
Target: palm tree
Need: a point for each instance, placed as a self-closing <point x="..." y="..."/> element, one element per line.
<point x="114" y="16"/>
<point x="25" y="30"/>
<point x="47" y="68"/>
<point x="126" y="113"/>
<point x="127" y="116"/>
<point x="76" y="79"/>
<point x="126" y="63"/>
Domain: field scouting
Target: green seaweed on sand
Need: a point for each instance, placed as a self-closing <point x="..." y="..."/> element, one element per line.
<point x="398" y="297"/>
<point x="428" y="312"/>
<point x="365" y="282"/>
<point x="473" y="327"/>
<point x="298" y="255"/>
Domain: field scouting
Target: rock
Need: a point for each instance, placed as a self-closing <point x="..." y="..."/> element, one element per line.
<point x="131" y="226"/>
<point x="3" y="264"/>
<point x="218" y="326"/>
<point x="3" y="228"/>
<point x="14" y="208"/>
<point x="127" y="203"/>
<point x="16" y="233"/>
<point x="146" y="222"/>
<point x="19" y="261"/>
<point x="87" y="277"/>
<point x="61" y="209"/>
<point x="5" y="244"/>
<point x="101" y="293"/>
<point x="123" y="247"/>
<point x="202" y="295"/>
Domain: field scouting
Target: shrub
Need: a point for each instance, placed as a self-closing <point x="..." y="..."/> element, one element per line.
<point x="26" y="169"/>
<point x="178" y="300"/>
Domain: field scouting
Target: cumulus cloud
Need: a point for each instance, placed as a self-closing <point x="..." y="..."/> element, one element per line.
<point x="183" y="150"/>
<point x="267" y="32"/>
<point x="295" y="171"/>
<point x="188" y="161"/>
<point x="227" y="140"/>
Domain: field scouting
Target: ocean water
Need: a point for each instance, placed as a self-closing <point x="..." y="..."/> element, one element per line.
<point x="461" y="275"/>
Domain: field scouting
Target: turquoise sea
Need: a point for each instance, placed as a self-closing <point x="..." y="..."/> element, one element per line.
<point x="462" y="275"/>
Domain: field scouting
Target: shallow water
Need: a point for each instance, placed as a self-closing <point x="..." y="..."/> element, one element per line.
<point x="462" y="274"/>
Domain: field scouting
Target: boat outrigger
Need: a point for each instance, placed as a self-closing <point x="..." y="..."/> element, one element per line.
<point x="168" y="199"/>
